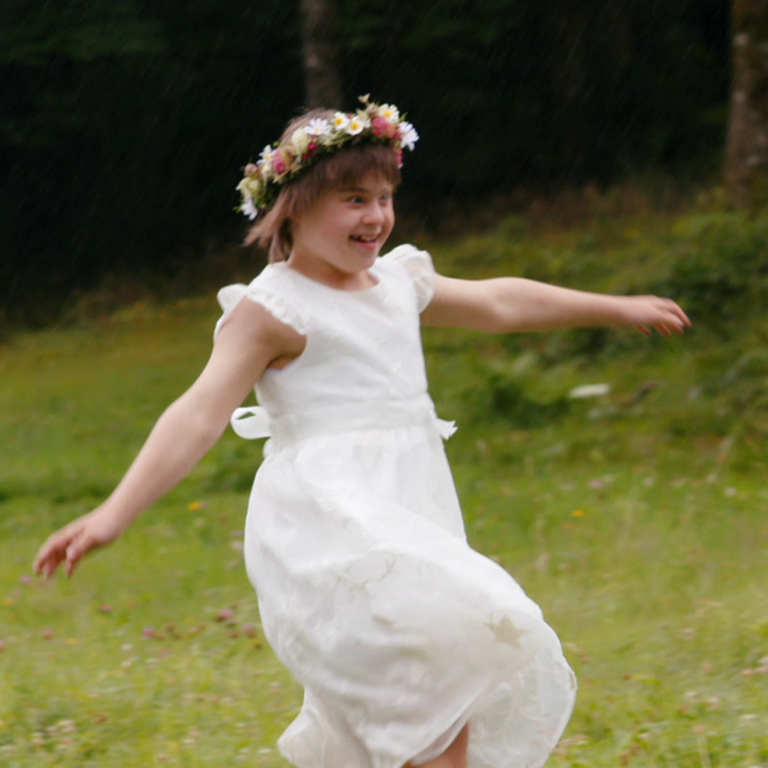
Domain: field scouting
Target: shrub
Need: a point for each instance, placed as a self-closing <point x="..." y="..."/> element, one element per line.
<point x="719" y="264"/>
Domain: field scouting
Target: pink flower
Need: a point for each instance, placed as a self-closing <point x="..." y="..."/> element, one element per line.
<point x="282" y="162"/>
<point x="279" y="166"/>
<point x="382" y="128"/>
<point x="251" y="169"/>
<point x="399" y="153"/>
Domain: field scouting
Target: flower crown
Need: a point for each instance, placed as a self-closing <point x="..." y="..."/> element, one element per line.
<point x="279" y="163"/>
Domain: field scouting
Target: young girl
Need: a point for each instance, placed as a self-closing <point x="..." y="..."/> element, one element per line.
<point x="412" y="648"/>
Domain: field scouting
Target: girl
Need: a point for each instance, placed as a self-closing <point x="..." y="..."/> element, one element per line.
<point x="412" y="648"/>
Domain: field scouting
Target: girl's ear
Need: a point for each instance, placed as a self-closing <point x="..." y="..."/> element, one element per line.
<point x="283" y="241"/>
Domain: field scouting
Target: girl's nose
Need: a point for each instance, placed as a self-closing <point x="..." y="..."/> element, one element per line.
<point x="374" y="214"/>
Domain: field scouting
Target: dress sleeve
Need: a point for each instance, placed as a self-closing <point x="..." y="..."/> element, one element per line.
<point x="277" y="306"/>
<point x="418" y="265"/>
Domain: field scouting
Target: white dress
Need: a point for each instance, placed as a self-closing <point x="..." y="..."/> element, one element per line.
<point x="398" y="631"/>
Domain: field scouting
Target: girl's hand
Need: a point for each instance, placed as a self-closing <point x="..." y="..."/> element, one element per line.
<point x="70" y="544"/>
<point x="648" y="312"/>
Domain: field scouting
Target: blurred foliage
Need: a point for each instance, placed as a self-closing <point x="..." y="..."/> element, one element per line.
<point x="511" y="392"/>
<point x="122" y="157"/>
<point x="36" y="31"/>
<point x="721" y="264"/>
<point x="510" y="92"/>
<point x="124" y="123"/>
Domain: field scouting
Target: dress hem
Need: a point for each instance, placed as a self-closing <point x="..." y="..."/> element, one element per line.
<point x="467" y="712"/>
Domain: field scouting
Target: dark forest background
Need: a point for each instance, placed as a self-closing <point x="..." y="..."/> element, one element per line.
<point x="124" y="124"/>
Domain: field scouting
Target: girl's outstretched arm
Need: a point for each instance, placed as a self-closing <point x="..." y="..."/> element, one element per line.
<point x="508" y="304"/>
<point x="248" y="342"/>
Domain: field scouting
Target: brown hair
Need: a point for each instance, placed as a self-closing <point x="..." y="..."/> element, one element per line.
<point x="347" y="166"/>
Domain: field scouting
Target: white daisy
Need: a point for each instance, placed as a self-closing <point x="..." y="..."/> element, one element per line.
<point x="409" y="135"/>
<point x="318" y="127"/>
<point x="390" y="112"/>
<point x="265" y="158"/>
<point x="340" y="121"/>
<point x="357" y="124"/>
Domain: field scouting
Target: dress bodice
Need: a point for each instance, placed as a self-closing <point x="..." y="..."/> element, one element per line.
<point x="362" y="347"/>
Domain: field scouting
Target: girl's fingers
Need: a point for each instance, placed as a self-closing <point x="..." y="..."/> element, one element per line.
<point x="45" y="560"/>
<point x="676" y="324"/>
<point x="47" y="563"/>
<point x="679" y="318"/>
<point x="54" y="551"/>
<point x="75" y="551"/>
<point x="73" y="558"/>
<point x="663" y="315"/>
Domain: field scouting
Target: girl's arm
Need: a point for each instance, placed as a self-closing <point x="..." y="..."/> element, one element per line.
<point x="507" y="304"/>
<point x="248" y="342"/>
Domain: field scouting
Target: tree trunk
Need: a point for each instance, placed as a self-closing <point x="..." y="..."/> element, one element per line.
<point x="321" y="71"/>
<point x="747" y="159"/>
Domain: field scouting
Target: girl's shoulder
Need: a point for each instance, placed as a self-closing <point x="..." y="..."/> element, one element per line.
<point x="418" y="267"/>
<point x="271" y="289"/>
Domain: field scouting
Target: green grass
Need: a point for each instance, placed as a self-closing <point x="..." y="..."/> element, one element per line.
<point x="637" y="520"/>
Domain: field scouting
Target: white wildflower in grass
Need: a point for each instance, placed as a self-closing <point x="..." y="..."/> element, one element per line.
<point x="340" y="121"/>
<point x="409" y="135"/>
<point x="390" y="112"/>
<point x="358" y="124"/>
<point x="589" y="390"/>
<point x="317" y="127"/>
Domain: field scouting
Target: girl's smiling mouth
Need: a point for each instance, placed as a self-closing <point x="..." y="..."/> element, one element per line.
<point x="365" y="239"/>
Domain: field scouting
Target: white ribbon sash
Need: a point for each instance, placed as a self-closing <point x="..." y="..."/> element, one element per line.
<point x="253" y="423"/>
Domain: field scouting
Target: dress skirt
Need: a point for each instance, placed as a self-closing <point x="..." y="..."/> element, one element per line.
<point x="398" y="631"/>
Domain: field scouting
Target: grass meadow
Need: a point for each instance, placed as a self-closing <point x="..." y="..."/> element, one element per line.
<point x="636" y="518"/>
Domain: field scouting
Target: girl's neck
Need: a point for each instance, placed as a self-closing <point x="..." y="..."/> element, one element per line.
<point x="327" y="275"/>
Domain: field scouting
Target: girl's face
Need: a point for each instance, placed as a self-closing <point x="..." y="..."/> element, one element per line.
<point x="337" y="239"/>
